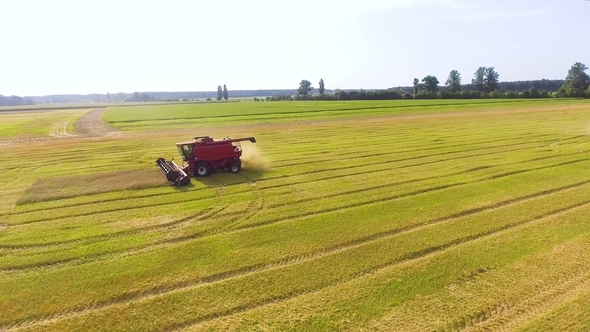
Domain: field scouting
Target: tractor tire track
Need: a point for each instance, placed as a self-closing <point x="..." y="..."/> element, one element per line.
<point x="92" y="239"/>
<point x="420" y="148"/>
<point x="398" y="196"/>
<point x="412" y="257"/>
<point x="187" y="285"/>
<point x="390" y="153"/>
<point x="355" y="155"/>
<point x="217" y="231"/>
<point x="415" y="180"/>
<point x="435" y="135"/>
<point x="348" y="244"/>
<point x="364" y="156"/>
<point x="156" y="245"/>
<point x="336" y="110"/>
<point x="98" y="238"/>
<point x="368" y="156"/>
<point x="286" y="177"/>
<point x="255" y="205"/>
<point x="514" y="317"/>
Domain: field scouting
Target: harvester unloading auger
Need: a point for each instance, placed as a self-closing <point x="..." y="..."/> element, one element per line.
<point x="202" y="155"/>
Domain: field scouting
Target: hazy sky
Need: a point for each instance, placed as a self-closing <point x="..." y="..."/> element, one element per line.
<point x="90" y="46"/>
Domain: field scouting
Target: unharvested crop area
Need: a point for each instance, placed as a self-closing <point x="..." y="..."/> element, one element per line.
<point x="407" y="216"/>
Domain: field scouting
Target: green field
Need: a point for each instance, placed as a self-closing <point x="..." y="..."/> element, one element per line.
<point x="365" y="215"/>
<point x="209" y="115"/>
<point x="38" y="123"/>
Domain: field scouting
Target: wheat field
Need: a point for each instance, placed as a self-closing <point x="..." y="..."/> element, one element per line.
<point x="365" y="216"/>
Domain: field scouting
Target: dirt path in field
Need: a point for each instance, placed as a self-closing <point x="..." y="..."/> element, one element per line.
<point x="92" y="124"/>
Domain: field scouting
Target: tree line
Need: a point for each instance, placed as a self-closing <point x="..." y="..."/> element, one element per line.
<point x="15" y="101"/>
<point x="484" y="84"/>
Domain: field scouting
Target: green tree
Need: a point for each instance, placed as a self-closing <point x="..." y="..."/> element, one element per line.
<point x="479" y="79"/>
<point x="219" y="92"/>
<point x="496" y="94"/>
<point x="560" y="93"/>
<point x="304" y="88"/>
<point x="417" y="86"/>
<point x="534" y="93"/>
<point x="454" y="81"/>
<point x="430" y="83"/>
<point x="322" y="89"/>
<point x="577" y="81"/>
<point x="491" y="79"/>
<point x="225" y="92"/>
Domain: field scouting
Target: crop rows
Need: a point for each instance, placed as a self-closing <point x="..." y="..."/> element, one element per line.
<point x="410" y="223"/>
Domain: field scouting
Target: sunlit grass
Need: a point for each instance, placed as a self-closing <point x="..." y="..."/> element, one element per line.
<point x="460" y="216"/>
<point x="39" y="124"/>
<point x="223" y="114"/>
<point x="53" y="188"/>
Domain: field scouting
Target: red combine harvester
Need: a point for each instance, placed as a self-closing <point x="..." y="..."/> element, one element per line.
<point x="202" y="155"/>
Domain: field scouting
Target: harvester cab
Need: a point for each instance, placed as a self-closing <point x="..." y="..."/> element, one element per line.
<point x="201" y="155"/>
<point x="185" y="150"/>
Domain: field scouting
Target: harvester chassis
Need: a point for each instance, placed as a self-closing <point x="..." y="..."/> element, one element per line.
<point x="201" y="156"/>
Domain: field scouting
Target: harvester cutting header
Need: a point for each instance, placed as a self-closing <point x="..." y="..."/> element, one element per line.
<point x="202" y="155"/>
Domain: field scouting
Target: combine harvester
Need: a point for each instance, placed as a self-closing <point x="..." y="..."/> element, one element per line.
<point x="202" y="155"/>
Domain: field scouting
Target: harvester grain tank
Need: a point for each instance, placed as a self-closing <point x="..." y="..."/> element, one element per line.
<point x="202" y="155"/>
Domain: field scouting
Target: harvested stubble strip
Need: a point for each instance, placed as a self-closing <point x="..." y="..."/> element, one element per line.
<point x="78" y="185"/>
<point x="264" y="182"/>
<point x="199" y="198"/>
<point x="483" y="190"/>
<point x="302" y="236"/>
<point x="91" y="227"/>
<point x="251" y="290"/>
<point x="449" y="290"/>
<point x="569" y="315"/>
<point x="409" y="168"/>
<point x="358" y="194"/>
<point x="355" y="146"/>
<point x="31" y="217"/>
<point x="406" y="160"/>
<point x="363" y="197"/>
<point x="120" y="231"/>
<point x="174" y="116"/>
<point x="188" y="233"/>
<point x="424" y="176"/>
<point x="455" y="128"/>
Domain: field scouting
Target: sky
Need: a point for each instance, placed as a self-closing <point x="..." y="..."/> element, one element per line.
<point x="90" y="46"/>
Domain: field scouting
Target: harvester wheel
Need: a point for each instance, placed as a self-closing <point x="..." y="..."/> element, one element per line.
<point x="235" y="166"/>
<point x="202" y="169"/>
